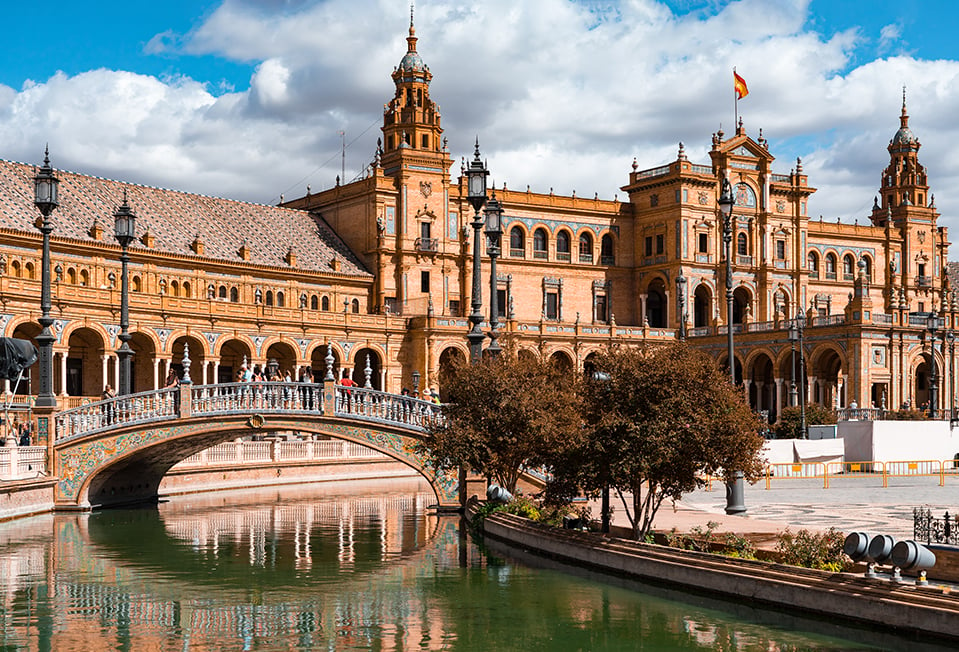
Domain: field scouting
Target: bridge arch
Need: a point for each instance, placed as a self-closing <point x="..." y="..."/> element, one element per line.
<point x="116" y="452"/>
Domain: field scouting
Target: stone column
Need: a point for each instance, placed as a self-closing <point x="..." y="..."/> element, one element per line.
<point x="156" y="374"/>
<point x="63" y="373"/>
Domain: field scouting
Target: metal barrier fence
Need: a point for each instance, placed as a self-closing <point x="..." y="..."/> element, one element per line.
<point x="869" y="470"/>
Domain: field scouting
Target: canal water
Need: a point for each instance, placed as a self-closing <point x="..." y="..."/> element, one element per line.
<point x="307" y="569"/>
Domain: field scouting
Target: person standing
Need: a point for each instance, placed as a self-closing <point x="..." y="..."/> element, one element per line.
<point x="172" y="380"/>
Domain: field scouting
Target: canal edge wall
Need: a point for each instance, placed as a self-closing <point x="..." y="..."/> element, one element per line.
<point x="905" y="609"/>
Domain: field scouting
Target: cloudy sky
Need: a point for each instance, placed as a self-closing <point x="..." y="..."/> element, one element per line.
<point x="252" y="99"/>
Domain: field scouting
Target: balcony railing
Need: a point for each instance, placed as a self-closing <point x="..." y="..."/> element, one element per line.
<point x="744" y="260"/>
<point x="517" y="253"/>
<point x="540" y="255"/>
<point x="429" y="245"/>
<point x="563" y="256"/>
<point x="924" y="281"/>
<point x="607" y="260"/>
<point x="585" y="258"/>
<point x="830" y="276"/>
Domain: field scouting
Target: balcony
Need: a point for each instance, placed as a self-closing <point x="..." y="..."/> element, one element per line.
<point x="540" y="255"/>
<point x="607" y="260"/>
<point x="924" y="281"/>
<point x="585" y="258"/>
<point x="742" y="259"/>
<point x="563" y="256"/>
<point x="426" y="245"/>
<point x="517" y="253"/>
<point x="830" y="276"/>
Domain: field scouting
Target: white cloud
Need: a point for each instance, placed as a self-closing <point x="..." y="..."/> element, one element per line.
<point x="561" y="94"/>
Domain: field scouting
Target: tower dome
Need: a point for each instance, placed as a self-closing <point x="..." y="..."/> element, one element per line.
<point x="412" y="62"/>
<point x="904" y="136"/>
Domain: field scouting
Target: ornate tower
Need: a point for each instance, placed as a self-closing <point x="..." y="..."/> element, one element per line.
<point x="411" y="120"/>
<point x="914" y="244"/>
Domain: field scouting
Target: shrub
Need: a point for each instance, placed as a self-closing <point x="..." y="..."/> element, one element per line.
<point x="789" y="423"/>
<point x="905" y="415"/>
<point x="813" y="550"/>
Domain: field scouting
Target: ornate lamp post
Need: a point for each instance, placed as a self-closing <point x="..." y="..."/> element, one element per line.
<point x="416" y="384"/>
<point x="793" y="338"/>
<point x="476" y="175"/>
<point x="801" y="328"/>
<point x="933" y="324"/>
<point x="125" y="227"/>
<point x="735" y="488"/>
<point x="726" y="209"/>
<point x="494" y="231"/>
<point x="681" y="296"/>
<point x="45" y="199"/>
<point x="951" y="339"/>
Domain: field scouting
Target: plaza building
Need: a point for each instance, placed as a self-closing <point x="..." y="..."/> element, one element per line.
<point x="378" y="272"/>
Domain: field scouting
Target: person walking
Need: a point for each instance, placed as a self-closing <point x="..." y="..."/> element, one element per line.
<point x="173" y="380"/>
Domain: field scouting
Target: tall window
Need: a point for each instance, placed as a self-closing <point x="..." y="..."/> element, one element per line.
<point x="552" y="305"/>
<point x="704" y="243"/>
<point x="517" y="242"/>
<point x="660" y="244"/>
<point x="562" y="245"/>
<point x="539" y="244"/>
<point x="781" y="249"/>
<point x="607" y="255"/>
<point x="585" y="248"/>
<point x="813" y="263"/>
<point x="648" y="246"/>
<point x="831" y="266"/>
<point x="424" y="281"/>
<point x="742" y="246"/>
<point x="848" y="267"/>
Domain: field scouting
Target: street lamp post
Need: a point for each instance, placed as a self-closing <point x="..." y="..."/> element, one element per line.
<point x="801" y="328"/>
<point x="416" y="383"/>
<point x="45" y="199"/>
<point x="933" y="324"/>
<point x="125" y="233"/>
<point x="793" y="338"/>
<point x="494" y="231"/>
<point x="681" y="296"/>
<point x="476" y="175"/>
<point x="735" y="488"/>
<point x="951" y="339"/>
<point x="726" y="208"/>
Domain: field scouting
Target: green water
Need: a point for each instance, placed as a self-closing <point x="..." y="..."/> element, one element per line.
<point x="305" y="570"/>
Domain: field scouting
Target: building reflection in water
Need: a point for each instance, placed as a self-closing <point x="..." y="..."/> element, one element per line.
<point x="281" y="570"/>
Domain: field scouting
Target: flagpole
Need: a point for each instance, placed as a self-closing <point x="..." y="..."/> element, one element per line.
<point x="735" y="101"/>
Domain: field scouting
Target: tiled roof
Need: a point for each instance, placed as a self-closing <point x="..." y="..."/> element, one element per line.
<point x="176" y="218"/>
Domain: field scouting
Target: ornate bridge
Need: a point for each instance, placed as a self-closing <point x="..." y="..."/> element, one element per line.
<point x="116" y="451"/>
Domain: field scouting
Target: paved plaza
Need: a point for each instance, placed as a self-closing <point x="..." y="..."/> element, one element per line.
<point x="848" y="505"/>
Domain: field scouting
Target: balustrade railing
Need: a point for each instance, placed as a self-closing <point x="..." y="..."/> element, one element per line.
<point x="259" y="452"/>
<point x="265" y="397"/>
<point x="145" y="407"/>
<point x="22" y="462"/>
<point x="371" y="405"/>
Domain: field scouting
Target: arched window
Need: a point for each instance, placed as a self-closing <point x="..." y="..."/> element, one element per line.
<point x="15" y="268"/>
<point x="222" y="292"/>
<point x="269" y="297"/>
<point x="868" y="267"/>
<point x="186" y="289"/>
<point x="326" y="304"/>
<point x="71" y="276"/>
<point x="84" y="278"/>
<point x="29" y="271"/>
<point x="585" y="248"/>
<point x="539" y="244"/>
<point x="848" y="268"/>
<point x="280" y="299"/>
<point x="813" y="263"/>
<point x="314" y="302"/>
<point x="234" y="295"/>
<point x="607" y="254"/>
<point x="517" y="242"/>
<point x="742" y="245"/>
<point x="830" y="266"/>
<point x="136" y="284"/>
<point x="562" y="246"/>
<point x="356" y="306"/>
<point x="174" y="288"/>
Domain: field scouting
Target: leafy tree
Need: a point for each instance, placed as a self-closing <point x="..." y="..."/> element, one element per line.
<point x="789" y="422"/>
<point x="505" y="415"/>
<point x="656" y="420"/>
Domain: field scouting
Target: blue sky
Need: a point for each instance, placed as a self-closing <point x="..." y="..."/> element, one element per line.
<point x="247" y="98"/>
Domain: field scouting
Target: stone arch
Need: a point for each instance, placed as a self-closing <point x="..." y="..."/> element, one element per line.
<point x="656" y="307"/>
<point x="27" y="330"/>
<point x="359" y="367"/>
<point x="451" y="357"/>
<point x="782" y="301"/>
<point x="921" y="379"/>
<point x="763" y="390"/>
<point x="86" y="348"/>
<point x="702" y="306"/>
<point x="318" y="360"/>
<point x="563" y="361"/>
<point x="742" y="304"/>
<point x="144" y="345"/>
<point x="130" y="463"/>
<point x="826" y="366"/>
<point x="724" y="364"/>
<point x="233" y="352"/>
<point x="285" y="355"/>
<point x="198" y="356"/>
<point x="527" y="354"/>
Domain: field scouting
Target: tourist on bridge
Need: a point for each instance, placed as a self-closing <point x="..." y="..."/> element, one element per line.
<point x="306" y="391"/>
<point x="108" y="410"/>
<point x="172" y="380"/>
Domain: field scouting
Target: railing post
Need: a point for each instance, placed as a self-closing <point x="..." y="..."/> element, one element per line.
<point x="186" y="400"/>
<point x="14" y="460"/>
<point x="329" y="397"/>
<point x="46" y="434"/>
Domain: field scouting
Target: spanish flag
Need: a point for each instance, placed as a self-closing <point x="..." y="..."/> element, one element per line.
<point x="740" y="84"/>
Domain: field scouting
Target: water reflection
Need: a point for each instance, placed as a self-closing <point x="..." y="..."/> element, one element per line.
<point x="305" y="570"/>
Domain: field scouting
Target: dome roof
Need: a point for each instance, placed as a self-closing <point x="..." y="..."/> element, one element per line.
<point x="904" y="137"/>
<point x="412" y="62"/>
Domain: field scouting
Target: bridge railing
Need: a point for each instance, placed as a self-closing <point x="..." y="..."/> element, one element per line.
<point x="262" y="397"/>
<point x="145" y="407"/>
<point x="372" y="405"/>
